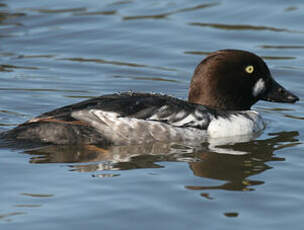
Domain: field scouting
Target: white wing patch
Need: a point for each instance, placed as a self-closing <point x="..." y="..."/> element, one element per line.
<point x="183" y="118"/>
<point x="188" y="119"/>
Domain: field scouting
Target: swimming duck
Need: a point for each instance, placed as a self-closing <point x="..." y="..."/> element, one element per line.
<point x="223" y="88"/>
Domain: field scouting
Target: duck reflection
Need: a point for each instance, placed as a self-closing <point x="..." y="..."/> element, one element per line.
<point x="235" y="170"/>
<point x="111" y="158"/>
<point x="245" y="158"/>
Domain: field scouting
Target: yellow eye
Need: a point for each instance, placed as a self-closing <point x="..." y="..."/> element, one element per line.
<point x="249" y="69"/>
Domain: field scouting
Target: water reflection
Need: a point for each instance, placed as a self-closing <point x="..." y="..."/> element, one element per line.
<point x="56" y="11"/>
<point x="8" y="68"/>
<point x="7" y="216"/>
<point x="204" y="53"/>
<point x="5" y="15"/>
<point x="242" y="27"/>
<point x="165" y="15"/>
<point x="118" y="63"/>
<point x="291" y="8"/>
<point x="235" y="169"/>
<point x="109" y="12"/>
<point x="204" y="161"/>
<point x="281" y="47"/>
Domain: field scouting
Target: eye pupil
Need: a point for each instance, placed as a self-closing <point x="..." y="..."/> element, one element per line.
<point x="249" y="69"/>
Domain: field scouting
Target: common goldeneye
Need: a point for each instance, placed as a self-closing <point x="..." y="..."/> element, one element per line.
<point x="223" y="88"/>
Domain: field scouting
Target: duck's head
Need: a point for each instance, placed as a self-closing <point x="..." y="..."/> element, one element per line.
<point x="235" y="80"/>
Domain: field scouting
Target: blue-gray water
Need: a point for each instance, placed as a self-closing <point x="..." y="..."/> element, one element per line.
<point x="54" y="53"/>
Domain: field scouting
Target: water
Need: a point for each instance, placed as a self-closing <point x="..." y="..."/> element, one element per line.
<point x="54" y="53"/>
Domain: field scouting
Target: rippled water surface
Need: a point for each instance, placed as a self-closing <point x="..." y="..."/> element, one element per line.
<point x="54" y="53"/>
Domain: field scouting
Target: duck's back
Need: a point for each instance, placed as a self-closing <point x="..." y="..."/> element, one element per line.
<point x="117" y="119"/>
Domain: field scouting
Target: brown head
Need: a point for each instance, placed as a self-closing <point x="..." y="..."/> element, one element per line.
<point x="235" y="80"/>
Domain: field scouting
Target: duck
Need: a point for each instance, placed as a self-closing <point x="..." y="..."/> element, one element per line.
<point x="224" y="86"/>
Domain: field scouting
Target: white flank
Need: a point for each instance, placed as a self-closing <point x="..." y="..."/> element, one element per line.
<point x="235" y="125"/>
<point x="258" y="87"/>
